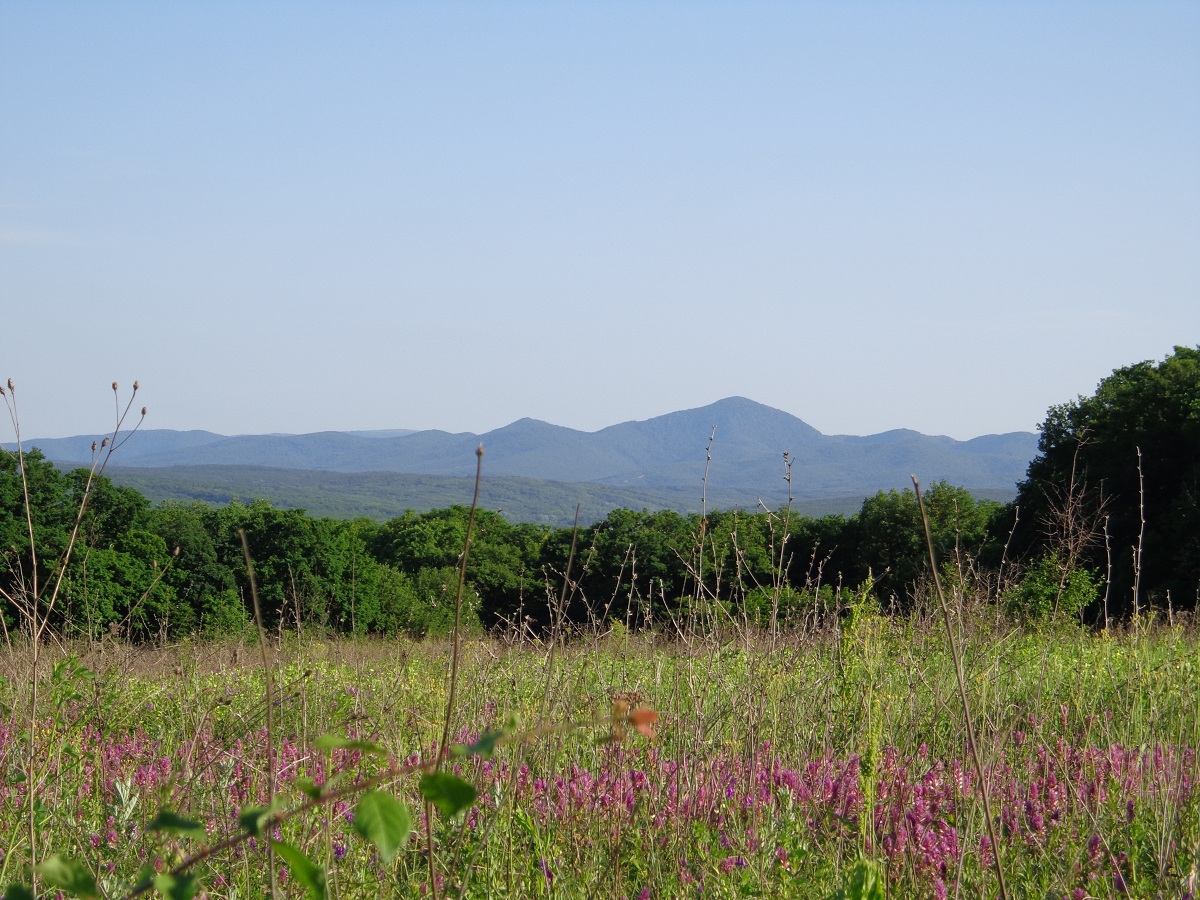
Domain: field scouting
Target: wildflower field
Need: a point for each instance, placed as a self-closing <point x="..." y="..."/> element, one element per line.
<point x="830" y="763"/>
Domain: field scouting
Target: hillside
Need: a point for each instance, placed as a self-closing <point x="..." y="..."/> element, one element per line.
<point x="535" y="470"/>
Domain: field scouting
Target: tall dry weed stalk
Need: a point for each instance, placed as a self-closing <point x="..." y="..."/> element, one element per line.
<point x="34" y="600"/>
<point x="269" y="693"/>
<point x="452" y="691"/>
<point x="960" y="677"/>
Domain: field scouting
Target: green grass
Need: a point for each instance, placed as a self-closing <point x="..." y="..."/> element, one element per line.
<point x="771" y="772"/>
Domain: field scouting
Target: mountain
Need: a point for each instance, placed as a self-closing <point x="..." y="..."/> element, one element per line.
<point x="656" y="463"/>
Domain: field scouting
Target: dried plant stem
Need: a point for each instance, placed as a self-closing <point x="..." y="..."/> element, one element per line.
<point x="1107" y="575"/>
<point x="455" y="645"/>
<point x="697" y="563"/>
<point x="28" y="600"/>
<point x="540" y="729"/>
<point x="962" y="693"/>
<point x="557" y="615"/>
<point x="270" y="697"/>
<point x="1137" y="552"/>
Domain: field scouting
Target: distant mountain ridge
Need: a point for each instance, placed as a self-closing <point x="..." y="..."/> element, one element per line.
<point x="660" y="456"/>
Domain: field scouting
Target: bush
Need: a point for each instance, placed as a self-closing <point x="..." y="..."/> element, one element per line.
<point x="1052" y="588"/>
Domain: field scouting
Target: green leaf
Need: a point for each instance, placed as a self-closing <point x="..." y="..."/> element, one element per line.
<point x="336" y="742"/>
<point x="18" y="892"/>
<point x="172" y="822"/>
<point x="68" y="875"/>
<point x="384" y="821"/>
<point x="304" y="870"/>
<point x="309" y="788"/>
<point x="177" y="887"/>
<point x="526" y="822"/>
<point x="865" y="882"/>
<point x="484" y="746"/>
<point x="255" y="818"/>
<point x="449" y="793"/>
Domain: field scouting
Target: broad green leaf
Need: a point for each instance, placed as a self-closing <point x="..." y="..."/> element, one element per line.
<point x="254" y="818"/>
<point x="484" y="746"/>
<point x="145" y="879"/>
<point x="384" y="821"/>
<point x="172" y="822"/>
<point x="177" y="887"/>
<point x="449" y="793"/>
<point x="865" y="883"/>
<point x="526" y="822"/>
<point x="68" y="875"/>
<point x="18" y="892"/>
<point x="309" y="788"/>
<point x="336" y="742"/>
<point x="304" y="870"/>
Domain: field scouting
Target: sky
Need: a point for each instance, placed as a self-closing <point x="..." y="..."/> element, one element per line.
<point x="296" y="217"/>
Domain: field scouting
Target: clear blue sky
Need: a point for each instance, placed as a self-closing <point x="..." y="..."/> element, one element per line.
<point x="306" y="216"/>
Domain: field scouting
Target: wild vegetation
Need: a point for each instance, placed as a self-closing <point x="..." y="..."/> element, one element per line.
<point x="936" y="696"/>
<point x="773" y="771"/>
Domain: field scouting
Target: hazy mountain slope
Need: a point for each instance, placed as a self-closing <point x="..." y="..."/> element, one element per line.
<point x="661" y="460"/>
<point x="382" y="495"/>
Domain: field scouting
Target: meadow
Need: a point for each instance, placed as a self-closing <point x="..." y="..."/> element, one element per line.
<point x="403" y="716"/>
<point x="825" y="762"/>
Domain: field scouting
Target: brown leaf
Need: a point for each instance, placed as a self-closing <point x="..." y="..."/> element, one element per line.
<point x="643" y="719"/>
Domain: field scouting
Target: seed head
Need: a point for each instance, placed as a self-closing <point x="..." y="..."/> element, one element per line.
<point x="143" y="411"/>
<point x="104" y="443"/>
<point x="11" y="386"/>
<point x="114" y="387"/>
<point x="136" y="385"/>
<point x="93" y="446"/>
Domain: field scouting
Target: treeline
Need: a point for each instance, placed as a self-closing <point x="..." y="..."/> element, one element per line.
<point x="1107" y="522"/>
<point x="175" y="568"/>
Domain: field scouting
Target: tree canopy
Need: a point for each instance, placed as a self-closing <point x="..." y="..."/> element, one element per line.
<point x="1117" y="482"/>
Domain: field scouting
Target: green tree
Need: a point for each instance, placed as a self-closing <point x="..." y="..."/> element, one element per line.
<point x="116" y="561"/>
<point x="119" y="584"/>
<point x="1086" y="481"/>
<point x="111" y="510"/>
<point x="205" y="589"/>
<point x="629" y="563"/>
<point x="889" y="537"/>
<point x="286" y="551"/>
<point x="504" y="562"/>
<point x="52" y="516"/>
<point x="1052" y="587"/>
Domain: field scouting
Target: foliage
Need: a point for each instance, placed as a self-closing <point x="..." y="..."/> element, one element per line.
<point x="1053" y="588"/>
<point x="1086" y="479"/>
<point x="888" y="538"/>
<point x="51" y="516"/>
<point x="206" y="597"/>
<point x="502" y="563"/>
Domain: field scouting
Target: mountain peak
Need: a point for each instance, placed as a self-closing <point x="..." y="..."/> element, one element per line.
<point x="744" y="459"/>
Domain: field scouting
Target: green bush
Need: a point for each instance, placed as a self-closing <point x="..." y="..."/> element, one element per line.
<point x="1052" y="588"/>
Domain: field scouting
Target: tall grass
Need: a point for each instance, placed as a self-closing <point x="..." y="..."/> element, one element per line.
<point x="772" y="770"/>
